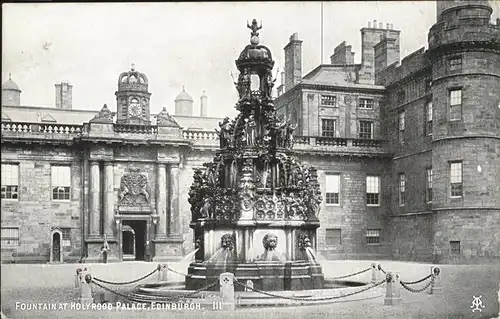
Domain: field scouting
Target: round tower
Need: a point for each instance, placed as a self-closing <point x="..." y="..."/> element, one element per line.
<point x="132" y="98"/>
<point x="11" y="93"/>
<point x="184" y="103"/>
<point x="464" y="50"/>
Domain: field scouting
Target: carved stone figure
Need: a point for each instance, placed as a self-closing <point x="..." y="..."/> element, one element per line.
<point x="104" y="116"/>
<point x="250" y="131"/>
<point x="134" y="188"/>
<point x="225" y="133"/>
<point x="254" y="27"/>
<point x="270" y="242"/>
<point x="269" y="82"/>
<point x="245" y="84"/>
<point x="206" y="210"/>
<point x="289" y="134"/>
<point x="227" y="241"/>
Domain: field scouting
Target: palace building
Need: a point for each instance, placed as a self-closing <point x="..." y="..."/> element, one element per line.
<point x="407" y="152"/>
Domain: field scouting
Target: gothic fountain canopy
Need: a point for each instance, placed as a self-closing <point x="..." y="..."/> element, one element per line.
<point x="132" y="80"/>
<point x="255" y="194"/>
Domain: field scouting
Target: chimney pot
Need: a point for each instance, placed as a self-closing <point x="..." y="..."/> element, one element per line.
<point x="369" y="24"/>
<point x="381" y="25"/>
<point x="375" y="24"/>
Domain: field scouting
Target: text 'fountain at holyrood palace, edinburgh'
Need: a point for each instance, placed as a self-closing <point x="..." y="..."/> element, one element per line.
<point x="387" y="158"/>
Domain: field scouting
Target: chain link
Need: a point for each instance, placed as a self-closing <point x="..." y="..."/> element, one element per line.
<point x="110" y="290"/>
<point x="126" y="282"/>
<point x="382" y="270"/>
<point x="177" y="298"/>
<point x="416" y="282"/>
<point x="177" y="272"/>
<point x="309" y="298"/>
<point x="418" y="290"/>
<point x="354" y="274"/>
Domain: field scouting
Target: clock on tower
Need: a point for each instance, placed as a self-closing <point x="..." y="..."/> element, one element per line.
<point x="132" y="98"/>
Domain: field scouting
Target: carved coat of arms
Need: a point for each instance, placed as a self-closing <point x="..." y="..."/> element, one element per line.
<point x="134" y="188"/>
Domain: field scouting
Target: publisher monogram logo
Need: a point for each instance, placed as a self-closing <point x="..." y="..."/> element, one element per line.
<point x="477" y="304"/>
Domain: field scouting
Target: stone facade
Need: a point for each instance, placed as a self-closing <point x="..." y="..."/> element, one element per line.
<point x="159" y="159"/>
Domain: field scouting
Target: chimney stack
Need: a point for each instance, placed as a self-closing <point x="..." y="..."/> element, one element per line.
<point x="64" y="95"/>
<point x="203" y="104"/>
<point x="293" y="62"/>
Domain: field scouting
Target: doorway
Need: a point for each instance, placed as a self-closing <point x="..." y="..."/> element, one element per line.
<point x="134" y="239"/>
<point x="56" y="246"/>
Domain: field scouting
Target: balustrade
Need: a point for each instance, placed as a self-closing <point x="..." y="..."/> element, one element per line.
<point x="16" y="127"/>
<point x="200" y="135"/>
<point x="66" y="129"/>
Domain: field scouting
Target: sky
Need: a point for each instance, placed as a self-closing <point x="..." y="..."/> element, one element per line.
<point x="193" y="44"/>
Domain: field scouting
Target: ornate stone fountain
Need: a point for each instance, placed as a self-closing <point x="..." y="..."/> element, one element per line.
<point x="254" y="207"/>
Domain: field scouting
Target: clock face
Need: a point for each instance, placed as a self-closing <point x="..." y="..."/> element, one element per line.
<point x="135" y="108"/>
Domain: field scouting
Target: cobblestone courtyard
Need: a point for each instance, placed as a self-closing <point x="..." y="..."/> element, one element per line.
<point x="54" y="284"/>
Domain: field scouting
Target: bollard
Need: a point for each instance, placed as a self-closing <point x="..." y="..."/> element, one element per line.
<point x="392" y="295"/>
<point x="226" y="281"/>
<point x="249" y="284"/>
<point x="163" y="272"/>
<point x="436" y="285"/>
<point x="374" y="274"/>
<point x="77" y="278"/>
<point x="86" y="288"/>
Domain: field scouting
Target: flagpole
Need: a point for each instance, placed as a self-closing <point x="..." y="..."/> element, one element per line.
<point x="321" y="32"/>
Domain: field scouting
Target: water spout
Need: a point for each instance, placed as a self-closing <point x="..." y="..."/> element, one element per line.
<point x="190" y="257"/>
<point x="311" y="255"/>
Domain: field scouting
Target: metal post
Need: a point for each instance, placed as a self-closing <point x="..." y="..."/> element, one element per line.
<point x="226" y="281"/>
<point x="374" y="274"/>
<point x="436" y="284"/>
<point x="164" y="272"/>
<point x="392" y="295"/>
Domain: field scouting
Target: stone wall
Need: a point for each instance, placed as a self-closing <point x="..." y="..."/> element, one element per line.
<point x="412" y="237"/>
<point x="35" y="213"/>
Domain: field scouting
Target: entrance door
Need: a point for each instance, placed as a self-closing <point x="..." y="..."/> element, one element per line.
<point x="128" y="241"/>
<point x="134" y="237"/>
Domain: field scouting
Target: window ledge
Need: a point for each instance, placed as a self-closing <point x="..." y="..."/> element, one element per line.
<point x="373" y="205"/>
<point x="373" y="244"/>
<point x="332" y="205"/>
<point x="61" y="200"/>
<point x="456" y="197"/>
<point x="10" y="199"/>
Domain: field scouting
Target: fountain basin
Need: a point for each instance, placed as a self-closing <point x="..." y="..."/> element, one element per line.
<point x="265" y="275"/>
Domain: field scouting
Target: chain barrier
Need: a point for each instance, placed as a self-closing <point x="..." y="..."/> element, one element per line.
<point x="382" y="270"/>
<point x="354" y="274"/>
<point x="126" y="282"/>
<point x="309" y="298"/>
<point x="189" y="294"/>
<point x="110" y="290"/>
<point x="416" y="282"/>
<point x="418" y="290"/>
<point x="177" y="272"/>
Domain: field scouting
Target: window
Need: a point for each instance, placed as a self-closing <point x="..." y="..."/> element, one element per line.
<point x="401" y="97"/>
<point x="373" y="236"/>
<point x="366" y="129"/>
<point x="332" y="189"/>
<point x="456" y="179"/>
<point x="401" y="126"/>
<point x="333" y="237"/>
<point x="365" y="103"/>
<point x="10" y="236"/>
<point x="328" y="127"/>
<point x="61" y="181"/>
<point x="456" y="104"/>
<point x="10" y="181"/>
<point x="402" y="186"/>
<point x="455" y="248"/>
<point x="66" y="237"/>
<point x="328" y="100"/>
<point x="372" y="190"/>
<point x="455" y="63"/>
<point x="429" y="185"/>
<point x="428" y="115"/>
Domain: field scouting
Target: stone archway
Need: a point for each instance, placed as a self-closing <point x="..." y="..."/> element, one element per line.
<point x="56" y="250"/>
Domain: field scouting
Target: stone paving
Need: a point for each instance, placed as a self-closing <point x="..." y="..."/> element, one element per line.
<point x="54" y="284"/>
